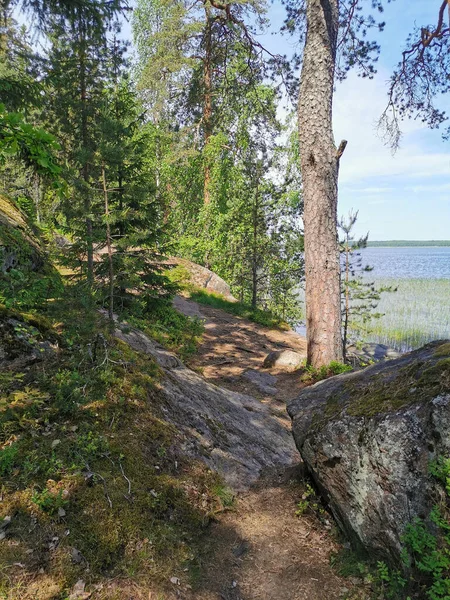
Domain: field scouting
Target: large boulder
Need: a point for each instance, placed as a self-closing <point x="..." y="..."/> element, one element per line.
<point x="284" y="360"/>
<point x="234" y="434"/>
<point x="202" y="277"/>
<point x="368" y="438"/>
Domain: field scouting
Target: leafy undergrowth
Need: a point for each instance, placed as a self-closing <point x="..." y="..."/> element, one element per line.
<point x="261" y="317"/>
<point x="94" y="485"/>
<point x="313" y="374"/>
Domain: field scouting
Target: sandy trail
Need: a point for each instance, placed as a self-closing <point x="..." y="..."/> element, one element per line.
<point x="261" y="550"/>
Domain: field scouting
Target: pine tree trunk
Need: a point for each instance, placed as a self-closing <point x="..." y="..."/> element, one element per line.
<point x="85" y="139"/>
<point x="207" y="102"/>
<point x="109" y="249"/>
<point x="319" y="168"/>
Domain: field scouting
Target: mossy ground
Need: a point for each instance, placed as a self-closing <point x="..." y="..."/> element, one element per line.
<point x="92" y="473"/>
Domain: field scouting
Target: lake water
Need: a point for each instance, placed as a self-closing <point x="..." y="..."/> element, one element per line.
<point x="419" y="311"/>
<point x="408" y="262"/>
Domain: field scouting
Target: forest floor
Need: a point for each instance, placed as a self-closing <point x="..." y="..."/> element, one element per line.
<point x="261" y="549"/>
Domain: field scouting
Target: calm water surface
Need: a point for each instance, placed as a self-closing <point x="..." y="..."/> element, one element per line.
<point x="420" y="310"/>
<point x="408" y="262"/>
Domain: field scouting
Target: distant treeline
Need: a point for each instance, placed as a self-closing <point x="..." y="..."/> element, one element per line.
<point x="394" y="243"/>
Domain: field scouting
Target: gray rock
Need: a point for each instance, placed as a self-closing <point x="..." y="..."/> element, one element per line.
<point x="22" y="342"/>
<point x="234" y="434"/>
<point x="286" y="360"/>
<point x="263" y="381"/>
<point x="368" y="437"/>
<point x="204" y="278"/>
<point x="370" y="353"/>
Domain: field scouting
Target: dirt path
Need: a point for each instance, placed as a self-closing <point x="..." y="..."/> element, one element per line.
<point x="232" y="346"/>
<point x="261" y="550"/>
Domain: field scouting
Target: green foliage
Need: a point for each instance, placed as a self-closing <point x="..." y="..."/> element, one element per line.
<point x="312" y="374"/>
<point x="35" y="147"/>
<point x="175" y="331"/>
<point x="308" y="500"/>
<point x="426" y="551"/>
<point x="8" y="456"/>
<point x="48" y="501"/>
<point x="440" y="468"/>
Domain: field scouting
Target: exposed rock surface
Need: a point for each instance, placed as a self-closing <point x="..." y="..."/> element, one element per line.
<point x="285" y="360"/>
<point x="263" y="381"/>
<point x="370" y="353"/>
<point x="204" y="278"/>
<point x="234" y="434"/>
<point x="18" y="244"/>
<point x="24" y="339"/>
<point x="368" y="437"/>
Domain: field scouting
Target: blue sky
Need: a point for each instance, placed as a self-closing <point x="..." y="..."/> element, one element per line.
<point x="405" y="196"/>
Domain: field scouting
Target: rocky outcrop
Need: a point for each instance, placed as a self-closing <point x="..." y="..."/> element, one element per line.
<point x="368" y="438"/>
<point x="284" y="360"/>
<point x="24" y="339"/>
<point x="367" y="354"/>
<point x="236" y="435"/>
<point x="202" y="277"/>
<point x="18" y="244"/>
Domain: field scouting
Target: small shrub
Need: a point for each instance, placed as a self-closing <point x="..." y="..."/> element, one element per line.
<point x="48" y="501"/>
<point x="8" y="456"/>
<point x="312" y="375"/>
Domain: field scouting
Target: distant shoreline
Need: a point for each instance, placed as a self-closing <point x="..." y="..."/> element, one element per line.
<point x="407" y="243"/>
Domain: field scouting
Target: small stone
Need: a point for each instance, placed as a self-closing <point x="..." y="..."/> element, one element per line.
<point x="175" y="580"/>
<point x="284" y="360"/>
<point x="76" y="556"/>
<point x="55" y="443"/>
<point x="6" y="522"/>
<point x="61" y="512"/>
<point x="78" y="591"/>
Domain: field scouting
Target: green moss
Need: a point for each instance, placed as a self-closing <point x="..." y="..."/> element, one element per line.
<point x="412" y="384"/>
<point x="387" y="391"/>
<point x="41" y="323"/>
<point x="90" y="437"/>
<point x="443" y="350"/>
<point x="10" y="214"/>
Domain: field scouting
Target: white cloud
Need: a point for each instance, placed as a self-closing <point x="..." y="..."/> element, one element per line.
<point x="358" y="105"/>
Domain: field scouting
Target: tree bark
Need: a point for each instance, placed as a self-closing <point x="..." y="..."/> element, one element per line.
<point x="109" y="248"/>
<point x="207" y="102"/>
<point x="85" y="140"/>
<point x="319" y="168"/>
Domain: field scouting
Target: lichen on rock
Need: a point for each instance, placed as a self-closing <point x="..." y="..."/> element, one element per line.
<point x="368" y="438"/>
